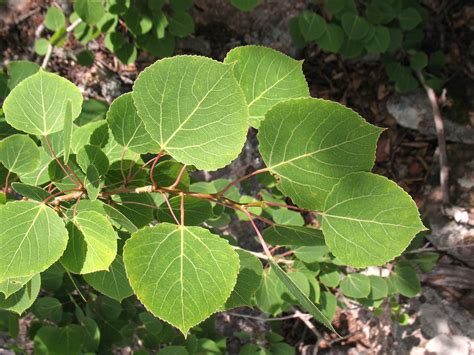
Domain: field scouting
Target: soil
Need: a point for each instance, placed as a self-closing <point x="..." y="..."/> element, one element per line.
<point x="403" y="155"/>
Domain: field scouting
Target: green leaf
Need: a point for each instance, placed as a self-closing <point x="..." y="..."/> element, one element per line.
<point x="138" y="208"/>
<point x="405" y="279"/>
<point x="30" y="192"/>
<point x="92" y="155"/>
<point x="40" y="175"/>
<point x="18" y="70"/>
<point x="311" y="143"/>
<point x="354" y="26"/>
<point x="409" y="18"/>
<point x="378" y="287"/>
<point x="311" y="254"/>
<point x="85" y="58"/>
<point x="38" y="104"/>
<point x="355" y="286"/>
<point x="287" y="216"/>
<point x="92" y="243"/>
<point x="92" y="335"/>
<point x="303" y="300"/>
<point x="286" y="235"/>
<point x="92" y="111"/>
<point x="426" y="261"/>
<point x="312" y="26"/>
<point x="68" y="127"/>
<point x="404" y="80"/>
<point x="48" y="308"/>
<point x="91" y="11"/>
<point x="340" y="7"/>
<point x="92" y="182"/>
<point x="380" y="41"/>
<point x="295" y="32"/>
<point x="332" y="39"/>
<point x="330" y="275"/>
<point x="328" y="304"/>
<point x="128" y="128"/>
<point x="21" y="300"/>
<point x="248" y="281"/>
<point x="59" y="341"/>
<point x="166" y="173"/>
<point x="200" y="122"/>
<point x="266" y="78"/>
<point x="181" y="274"/>
<point x="269" y="295"/>
<point x="380" y="11"/>
<point x="32" y="237"/>
<point x="196" y="210"/>
<point x="41" y="46"/>
<point x="245" y="5"/>
<point x="181" y="25"/>
<point x="418" y="61"/>
<point x="12" y="285"/>
<point x="54" y="19"/>
<point x="112" y="283"/>
<point x="181" y="5"/>
<point x="137" y="23"/>
<point x="369" y="220"/>
<point x="19" y="154"/>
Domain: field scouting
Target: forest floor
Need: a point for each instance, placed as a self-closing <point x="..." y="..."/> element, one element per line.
<point x="440" y="317"/>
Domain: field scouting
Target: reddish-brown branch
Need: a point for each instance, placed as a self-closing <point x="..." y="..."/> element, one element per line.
<point x="260" y="236"/>
<point x="235" y="182"/>
<point x="181" y="208"/>
<point x="77" y="182"/>
<point x="169" y="207"/>
<point x="152" y="169"/>
<point x="5" y="190"/>
<point x="178" y="178"/>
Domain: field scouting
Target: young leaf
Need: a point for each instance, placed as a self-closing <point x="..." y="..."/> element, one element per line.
<point x="181" y="274"/>
<point x="330" y="275"/>
<point x="378" y="287"/>
<point x="38" y="104"/>
<point x="356" y="27"/>
<point x="293" y="235"/>
<point x="266" y="77"/>
<point x="54" y="19"/>
<point x="41" y="46"/>
<point x="92" y="155"/>
<point x="311" y="143"/>
<point x="405" y="279"/>
<point x="30" y="192"/>
<point x="312" y="25"/>
<point x="245" y="5"/>
<point x="32" y="237"/>
<point x="248" y="281"/>
<point x="181" y="25"/>
<point x="194" y="108"/>
<point x="22" y="299"/>
<point x="92" y="243"/>
<point x="92" y="182"/>
<point x="355" y="286"/>
<point x="91" y="11"/>
<point x="112" y="283"/>
<point x="19" y="154"/>
<point x="369" y="220"/>
<point x="332" y="39"/>
<point x="380" y="40"/>
<point x="303" y="300"/>
<point x="409" y="18"/>
<point x="68" y="127"/>
<point x="128" y="128"/>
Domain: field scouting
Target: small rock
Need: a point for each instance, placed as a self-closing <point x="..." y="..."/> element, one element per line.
<point x="444" y="344"/>
<point x="414" y="111"/>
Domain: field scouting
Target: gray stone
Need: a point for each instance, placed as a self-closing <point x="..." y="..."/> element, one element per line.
<point x="444" y="344"/>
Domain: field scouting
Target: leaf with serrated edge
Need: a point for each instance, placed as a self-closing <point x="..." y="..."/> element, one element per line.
<point x="92" y="243"/>
<point x="19" y="154"/>
<point x="32" y="237"/>
<point x="287" y="235"/>
<point x="266" y="78"/>
<point x="194" y="108"/>
<point x="11" y="285"/>
<point x="311" y="143"/>
<point x="38" y="104"/>
<point x="181" y="274"/>
<point x="128" y="128"/>
<point x="112" y="283"/>
<point x="369" y="220"/>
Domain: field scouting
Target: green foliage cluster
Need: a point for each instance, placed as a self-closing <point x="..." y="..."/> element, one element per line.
<point x="111" y="214"/>
<point x="128" y="26"/>
<point x="393" y="29"/>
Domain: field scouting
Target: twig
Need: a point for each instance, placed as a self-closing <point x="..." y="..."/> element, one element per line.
<point x="152" y="170"/>
<point x="169" y="207"/>
<point x="59" y="39"/>
<point x="439" y="125"/>
<point x="235" y="182"/>
<point x="178" y="179"/>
